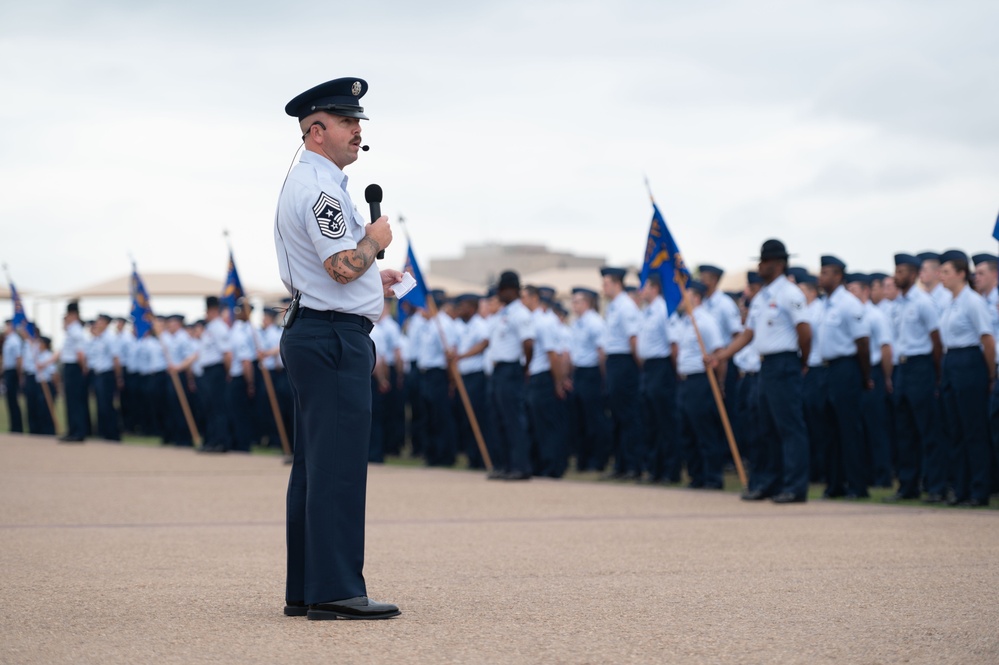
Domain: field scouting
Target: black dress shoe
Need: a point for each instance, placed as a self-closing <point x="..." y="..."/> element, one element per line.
<point x="788" y="497"/>
<point x="70" y="439"/>
<point x="496" y="474"/>
<point x="976" y="503"/>
<point x="295" y="608"/>
<point x="611" y="475"/>
<point x="754" y="495"/>
<point x="361" y="607"/>
<point x="933" y="498"/>
<point x="517" y="475"/>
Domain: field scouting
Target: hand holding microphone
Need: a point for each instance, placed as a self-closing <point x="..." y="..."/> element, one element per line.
<point x="373" y="195"/>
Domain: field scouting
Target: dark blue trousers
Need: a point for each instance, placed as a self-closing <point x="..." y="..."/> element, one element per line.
<point x="129" y="400"/>
<point x="623" y="390"/>
<point x="75" y="388"/>
<point x="511" y="421"/>
<point x="813" y="401"/>
<point x="964" y="392"/>
<point x="845" y="462"/>
<point x="178" y="433"/>
<point x="994" y="422"/>
<point x="32" y="400"/>
<point x="874" y="407"/>
<point x="46" y="425"/>
<point x="701" y="433"/>
<point x="417" y="412"/>
<point x="241" y="418"/>
<point x="441" y="446"/>
<point x="590" y="427"/>
<point x="107" y="414"/>
<point x="549" y="415"/>
<point x="659" y="419"/>
<point x="13" y="405"/>
<point x="329" y="365"/>
<point x="749" y="416"/>
<point x="213" y="400"/>
<point x="154" y="392"/>
<point x="475" y="386"/>
<point x="784" y="453"/>
<point x="395" y="415"/>
<point x="917" y="428"/>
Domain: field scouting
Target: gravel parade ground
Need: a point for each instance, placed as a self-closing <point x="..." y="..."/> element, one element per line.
<point x="139" y="554"/>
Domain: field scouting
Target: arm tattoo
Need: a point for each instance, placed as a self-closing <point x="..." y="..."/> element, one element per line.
<point x="348" y="265"/>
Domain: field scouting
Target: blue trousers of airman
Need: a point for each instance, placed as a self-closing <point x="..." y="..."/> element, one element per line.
<point x="75" y="394"/>
<point x="784" y="449"/>
<point x="749" y="417"/>
<point x="964" y="392"/>
<point x="700" y="428"/>
<point x="511" y="421"/>
<point x="213" y="398"/>
<point x="623" y="390"/>
<point x="549" y="415"/>
<point x="920" y="457"/>
<point x="107" y="414"/>
<point x="846" y="469"/>
<point x="441" y="441"/>
<point x="659" y="419"/>
<point x="813" y="401"/>
<point x="589" y="425"/>
<point x="32" y="395"/>
<point x="475" y="386"/>
<point x="874" y="408"/>
<point x="329" y="365"/>
<point x="13" y="405"/>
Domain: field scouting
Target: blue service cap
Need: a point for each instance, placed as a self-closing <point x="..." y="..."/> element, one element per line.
<point x="585" y="291"/>
<point x="953" y="255"/>
<point x="753" y="277"/>
<point x="438" y="295"/>
<point x="546" y="292"/>
<point x="928" y="256"/>
<point x="828" y="260"/>
<point x="491" y="292"/>
<point x="715" y="270"/>
<point x="467" y="297"/>
<point x="858" y="277"/>
<point x="809" y="279"/>
<point x="608" y="271"/>
<point x="559" y="309"/>
<point x="337" y="97"/>
<point x="908" y="260"/>
<point x="797" y="272"/>
<point x="985" y="258"/>
<point x="547" y="301"/>
<point x="630" y="288"/>
<point x="878" y="276"/>
<point x="699" y="287"/>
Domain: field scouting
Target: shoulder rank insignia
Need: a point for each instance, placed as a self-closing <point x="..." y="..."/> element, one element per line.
<point x="329" y="216"/>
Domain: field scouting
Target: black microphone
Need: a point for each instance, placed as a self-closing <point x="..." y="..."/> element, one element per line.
<point x="365" y="148"/>
<point x="373" y="195"/>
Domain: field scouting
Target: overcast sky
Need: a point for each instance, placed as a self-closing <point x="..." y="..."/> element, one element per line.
<point x="852" y="128"/>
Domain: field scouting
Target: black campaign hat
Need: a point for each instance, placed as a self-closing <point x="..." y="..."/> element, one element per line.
<point x="337" y="97"/>
<point x="773" y="249"/>
<point x="508" y="280"/>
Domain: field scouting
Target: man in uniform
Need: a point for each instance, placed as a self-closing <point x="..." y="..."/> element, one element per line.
<point x="658" y="386"/>
<point x="620" y="347"/>
<point x="843" y="339"/>
<point x="325" y="253"/>
<point x="922" y="457"/>
<point x="473" y="337"/>
<point x="215" y="357"/>
<point x="546" y="405"/>
<point x="590" y="431"/>
<point x="511" y="347"/>
<point x="929" y="280"/>
<point x="74" y="371"/>
<point x="436" y="342"/>
<point x="100" y="358"/>
<point x="783" y="337"/>
<point x="12" y="369"/>
<point x="987" y="284"/>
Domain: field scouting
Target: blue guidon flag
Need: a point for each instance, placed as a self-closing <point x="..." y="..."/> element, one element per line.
<point x="20" y="318"/>
<point x="663" y="257"/>
<point x="995" y="229"/>
<point x="232" y="291"/>
<point x="417" y="297"/>
<point x="142" y="312"/>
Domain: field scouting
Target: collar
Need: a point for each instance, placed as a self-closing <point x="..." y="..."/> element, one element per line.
<point x="324" y="164"/>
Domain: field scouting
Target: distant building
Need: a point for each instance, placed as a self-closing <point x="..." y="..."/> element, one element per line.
<point x="482" y="264"/>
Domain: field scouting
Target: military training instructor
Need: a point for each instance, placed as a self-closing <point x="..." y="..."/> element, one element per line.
<point x="325" y="252"/>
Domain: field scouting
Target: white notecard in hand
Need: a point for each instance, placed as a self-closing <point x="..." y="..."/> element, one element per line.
<point x="405" y="286"/>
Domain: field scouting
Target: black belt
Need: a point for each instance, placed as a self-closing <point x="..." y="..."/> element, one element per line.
<point x="506" y="363"/>
<point x="836" y="361"/>
<point x="781" y="354"/>
<point x="337" y="317"/>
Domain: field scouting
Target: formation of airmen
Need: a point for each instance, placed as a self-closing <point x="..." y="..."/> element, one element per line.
<point x="845" y="379"/>
<point x="178" y="381"/>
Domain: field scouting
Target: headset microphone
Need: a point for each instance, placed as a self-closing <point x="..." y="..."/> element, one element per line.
<point x="365" y="148"/>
